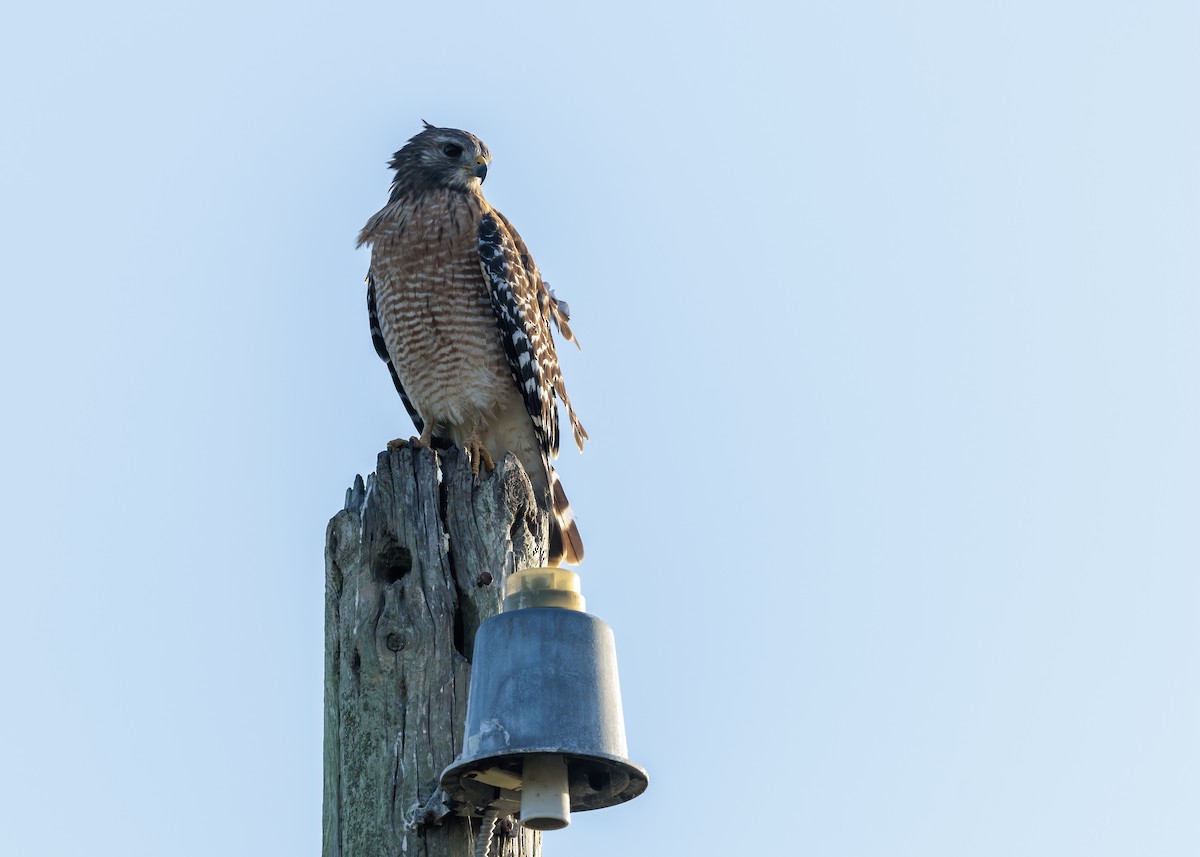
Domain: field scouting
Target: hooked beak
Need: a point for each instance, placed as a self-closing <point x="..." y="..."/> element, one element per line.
<point x="480" y="170"/>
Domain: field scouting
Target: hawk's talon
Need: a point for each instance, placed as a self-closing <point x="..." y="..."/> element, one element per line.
<point x="478" y="454"/>
<point x="425" y="441"/>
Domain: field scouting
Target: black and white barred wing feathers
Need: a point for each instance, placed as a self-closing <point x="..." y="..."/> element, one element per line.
<point x="381" y="349"/>
<point x="525" y="309"/>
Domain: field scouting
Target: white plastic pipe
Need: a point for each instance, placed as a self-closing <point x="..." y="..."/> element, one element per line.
<point x="545" y="802"/>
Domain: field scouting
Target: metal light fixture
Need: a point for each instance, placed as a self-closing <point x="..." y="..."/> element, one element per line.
<point x="544" y="730"/>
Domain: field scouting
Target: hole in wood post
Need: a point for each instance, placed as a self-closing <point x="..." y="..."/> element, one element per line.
<point x="391" y="563"/>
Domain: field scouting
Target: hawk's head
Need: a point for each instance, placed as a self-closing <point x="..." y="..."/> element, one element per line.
<point x="440" y="157"/>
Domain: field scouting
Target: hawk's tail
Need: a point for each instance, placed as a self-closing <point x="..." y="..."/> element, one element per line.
<point x="565" y="543"/>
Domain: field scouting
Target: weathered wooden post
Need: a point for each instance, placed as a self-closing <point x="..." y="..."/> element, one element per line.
<point x="413" y="564"/>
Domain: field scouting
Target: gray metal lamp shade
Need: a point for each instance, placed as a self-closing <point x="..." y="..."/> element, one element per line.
<point x="544" y="682"/>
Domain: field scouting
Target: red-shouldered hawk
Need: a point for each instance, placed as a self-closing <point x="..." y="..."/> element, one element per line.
<point x="462" y="317"/>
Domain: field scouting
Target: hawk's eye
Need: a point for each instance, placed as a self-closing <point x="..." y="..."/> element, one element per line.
<point x="452" y="150"/>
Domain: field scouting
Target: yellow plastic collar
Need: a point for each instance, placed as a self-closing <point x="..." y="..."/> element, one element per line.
<point x="543" y="587"/>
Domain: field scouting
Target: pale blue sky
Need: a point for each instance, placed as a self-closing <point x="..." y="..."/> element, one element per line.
<point x="890" y="319"/>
